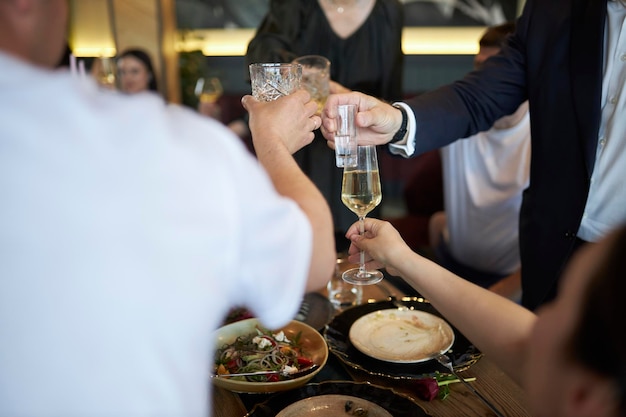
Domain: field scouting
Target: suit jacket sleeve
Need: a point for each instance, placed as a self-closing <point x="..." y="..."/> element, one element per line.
<point x="474" y="103"/>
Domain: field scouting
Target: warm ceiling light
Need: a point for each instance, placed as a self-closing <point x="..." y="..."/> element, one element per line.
<point x="91" y="32"/>
<point x="441" y="40"/>
<point x="415" y="41"/>
<point x="215" y="42"/>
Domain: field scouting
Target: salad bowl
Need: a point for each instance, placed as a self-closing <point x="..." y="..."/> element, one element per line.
<point x="308" y="341"/>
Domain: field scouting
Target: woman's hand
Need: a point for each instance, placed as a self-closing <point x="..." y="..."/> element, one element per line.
<point x="381" y="242"/>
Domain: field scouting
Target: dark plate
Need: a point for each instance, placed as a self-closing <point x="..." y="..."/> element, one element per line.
<point x="396" y="404"/>
<point x="462" y="353"/>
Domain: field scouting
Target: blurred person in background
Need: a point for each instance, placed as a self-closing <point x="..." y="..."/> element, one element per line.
<point x="136" y="72"/>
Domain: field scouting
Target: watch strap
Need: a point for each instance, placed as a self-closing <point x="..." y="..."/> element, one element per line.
<point x="401" y="133"/>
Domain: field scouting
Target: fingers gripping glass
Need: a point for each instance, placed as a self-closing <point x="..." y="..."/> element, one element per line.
<point x="345" y="137"/>
<point x="361" y="193"/>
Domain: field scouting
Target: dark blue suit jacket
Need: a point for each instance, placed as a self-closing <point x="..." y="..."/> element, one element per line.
<point x="554" y="60"/>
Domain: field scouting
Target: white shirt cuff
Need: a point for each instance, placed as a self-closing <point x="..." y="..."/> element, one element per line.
<point x="405" y="147"/>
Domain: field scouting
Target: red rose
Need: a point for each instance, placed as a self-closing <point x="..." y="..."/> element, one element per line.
<point x="426" y="388"/>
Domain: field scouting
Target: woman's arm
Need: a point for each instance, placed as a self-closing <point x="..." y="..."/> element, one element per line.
<point x="497" y="326"/>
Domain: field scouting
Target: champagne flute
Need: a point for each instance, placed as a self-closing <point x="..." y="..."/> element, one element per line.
<point x="104" y="71"/>
<point x="208" y="90"/>
<point x="361" y="193"/>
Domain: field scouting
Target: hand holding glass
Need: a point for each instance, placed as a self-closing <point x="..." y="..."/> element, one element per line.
<point x="361" y="193"/>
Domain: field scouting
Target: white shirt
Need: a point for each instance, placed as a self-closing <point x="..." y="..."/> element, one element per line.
<point x="127" y="230"/>
<point x="484" y="176"/>
<point x="606" y="204"/>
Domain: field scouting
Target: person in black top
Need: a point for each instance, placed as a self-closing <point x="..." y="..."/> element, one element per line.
<point x="362" y="40"/>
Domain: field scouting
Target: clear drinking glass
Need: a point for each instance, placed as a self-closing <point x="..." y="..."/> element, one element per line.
<point x="361" y="193"/>
<point x="208" y="90"/>
<point x="273" y="80"/>
<point x="315" y="78"/>
<point x="342" y="294"/>
<point x="104" y="70"/>
<point x="345" y="137"/>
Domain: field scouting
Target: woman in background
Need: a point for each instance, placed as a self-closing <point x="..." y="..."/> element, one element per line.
<point x="135" y="72"/>
<point x="361" y="38"/>
<point x="363" y="41"/>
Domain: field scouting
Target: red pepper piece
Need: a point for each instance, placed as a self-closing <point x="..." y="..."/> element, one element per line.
<point x="304" y="361"/>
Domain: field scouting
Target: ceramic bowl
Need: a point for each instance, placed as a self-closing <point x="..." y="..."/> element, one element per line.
<point x="312" y="342"/>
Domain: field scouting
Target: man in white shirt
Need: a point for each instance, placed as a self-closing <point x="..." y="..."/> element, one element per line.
<point x="128" y="228"/>
<point x="566" y="57"/>
<point x="483" y="177"/>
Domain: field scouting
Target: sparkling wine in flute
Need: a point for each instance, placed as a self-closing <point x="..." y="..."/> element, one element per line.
<point x="361" y="192"/>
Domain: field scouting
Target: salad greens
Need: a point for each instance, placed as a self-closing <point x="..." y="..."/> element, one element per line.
<point x="262" y="351"/>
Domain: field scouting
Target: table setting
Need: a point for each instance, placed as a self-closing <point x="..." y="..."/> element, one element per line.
<point x="368" y="344"/>
<point x="337" y="398"/>
<point x="387" y="362"/>
<point x="348" y="372"/>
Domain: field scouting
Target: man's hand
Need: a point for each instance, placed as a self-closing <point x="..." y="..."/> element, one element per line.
<point x="376" y="121"/>
<point x="289" y="120"/>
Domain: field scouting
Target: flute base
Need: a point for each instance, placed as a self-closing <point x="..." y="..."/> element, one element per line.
<point x="357" y="277"/>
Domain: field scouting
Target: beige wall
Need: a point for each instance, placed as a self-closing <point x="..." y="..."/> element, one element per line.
<point x="150" y="24"/>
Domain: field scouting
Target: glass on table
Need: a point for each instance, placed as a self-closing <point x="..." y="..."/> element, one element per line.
<point x="342" y="294"/>
<point x="315" y="78"/>
<point x="273" y="80"/>
<point x="345" y="137"/>
<point x="361" y="193"/>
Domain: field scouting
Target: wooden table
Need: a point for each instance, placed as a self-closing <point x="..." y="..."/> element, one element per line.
<point x="491" y="382"/>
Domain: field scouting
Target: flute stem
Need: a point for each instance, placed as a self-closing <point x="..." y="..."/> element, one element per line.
<point x="362" y="270"/>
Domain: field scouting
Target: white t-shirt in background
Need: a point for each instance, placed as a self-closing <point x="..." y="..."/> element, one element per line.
<point x="484" y="177"/>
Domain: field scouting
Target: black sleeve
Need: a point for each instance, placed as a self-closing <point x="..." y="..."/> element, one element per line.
<point x="275" y="38"/>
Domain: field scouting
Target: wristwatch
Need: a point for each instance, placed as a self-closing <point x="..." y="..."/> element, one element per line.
<point x="401" y="133"/>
